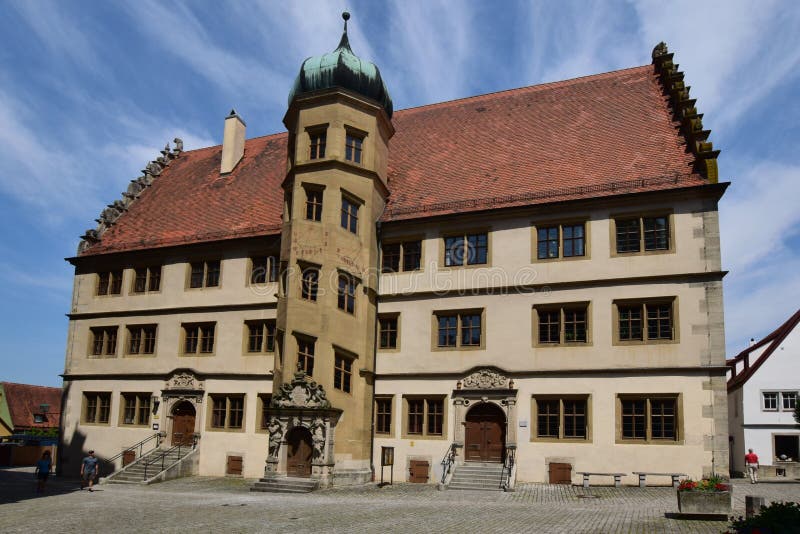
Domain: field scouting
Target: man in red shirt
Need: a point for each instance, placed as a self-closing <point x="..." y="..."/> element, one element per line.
<point x="751" y="461"/>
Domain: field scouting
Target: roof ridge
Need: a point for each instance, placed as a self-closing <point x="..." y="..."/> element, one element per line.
<point x="28" y="385"/>
<point x="525" y="88"/>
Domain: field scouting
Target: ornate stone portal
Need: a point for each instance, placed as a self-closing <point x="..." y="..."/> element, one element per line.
<point x="302" y="403"/>
<point x="486" y="385"/>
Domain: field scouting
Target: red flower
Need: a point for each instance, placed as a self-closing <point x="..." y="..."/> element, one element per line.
<point x="721" y="487"/>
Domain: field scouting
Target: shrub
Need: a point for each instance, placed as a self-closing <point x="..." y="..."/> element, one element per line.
<point x="776" y="518"/>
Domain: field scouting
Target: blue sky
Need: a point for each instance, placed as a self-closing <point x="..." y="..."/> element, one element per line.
<point x="90" y="91"/>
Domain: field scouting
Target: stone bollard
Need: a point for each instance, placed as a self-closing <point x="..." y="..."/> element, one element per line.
<point x="752" y="505"/>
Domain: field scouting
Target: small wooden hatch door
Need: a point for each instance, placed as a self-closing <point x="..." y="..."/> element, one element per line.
<point x="128" y="457"/>
<point x="560" y="473"/>
<point x="234" y="466"/>
<point x="419" y="471"/>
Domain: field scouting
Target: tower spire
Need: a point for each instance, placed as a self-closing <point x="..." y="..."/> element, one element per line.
<point x="345" y="41"/>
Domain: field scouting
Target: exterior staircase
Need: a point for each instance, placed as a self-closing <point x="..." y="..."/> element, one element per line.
<point x="481" y="476"/>
<point x="285" y="484"/>
<point x="149" y="467"/>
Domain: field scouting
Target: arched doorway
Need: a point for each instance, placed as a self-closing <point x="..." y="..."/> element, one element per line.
<point x="485" y="433"/>
<point x="298" y="456"/>
<point x="183" y="417"/>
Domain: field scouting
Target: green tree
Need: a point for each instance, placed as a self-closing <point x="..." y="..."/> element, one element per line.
<point x="797" y="412"/>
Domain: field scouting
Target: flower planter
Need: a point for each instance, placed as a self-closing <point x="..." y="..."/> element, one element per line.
<point x="705" y="502"/>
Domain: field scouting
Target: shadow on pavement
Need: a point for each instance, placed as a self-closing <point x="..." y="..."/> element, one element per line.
<point x="19" y="484"/>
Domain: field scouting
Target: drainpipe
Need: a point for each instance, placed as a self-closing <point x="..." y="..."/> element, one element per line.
<point x="375" y="354"/>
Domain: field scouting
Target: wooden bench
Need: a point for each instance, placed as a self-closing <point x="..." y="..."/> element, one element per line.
<point x="643" y="477"/>
<point x="617" y="477"/>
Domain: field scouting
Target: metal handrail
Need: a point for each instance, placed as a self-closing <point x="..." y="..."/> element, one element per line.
<point x="508" y="466"/>
<point x="140" y="446"/>
<point x="162" y="457"/>
<point x="448" y="461"/>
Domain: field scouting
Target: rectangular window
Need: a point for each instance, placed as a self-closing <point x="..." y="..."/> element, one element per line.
<point x="658" y="326"/>
<point x="459" y="329"/>
<point x="560" y="241"/>
<point x="388" y="325"/>
<point x="104" y="341"/>
<point x="227" y="411"/>
<point x="313" y="204"/>
<point x="141" y="339"/>
<point x="147" y="279"/>
<point x="317" y="144"/>
<point x="562" y="418"/>
<point x="562" y="323"/>
<point x="383" y="415"/>
<point x="353" y="147"/>
<point x="309" y="283"/>
<point x="773" y="401"/>
<point x="770" y="401"/>
<point x="97" y="408"/>
<point x="788" y="400"/>
<point x="204" y="274"/>
<point x="346" y="294"/>
<point x="109" y="283"/>
<point x="263" y="269"/>
<point x="198" y="338"/>
<point x="349" y="215"/>
<point x="305" y="355"/>
<point x="401" y="257"/>
<point x="642" y="233"/>
<point x="342" y="373"/>
<point x="425" y="416"/>
<point x="260" y="336"/>
<point x="136" y="409"/>
<point x="648" y="419"/>
<point x="467" y="249"/>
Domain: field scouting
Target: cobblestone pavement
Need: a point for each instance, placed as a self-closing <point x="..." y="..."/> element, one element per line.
<point x="201" y="504"/>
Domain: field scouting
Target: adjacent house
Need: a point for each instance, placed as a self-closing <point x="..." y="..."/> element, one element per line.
<point x="528" y="279"/>
<point x="763" y="385"/>
<point x="29" y="422"/>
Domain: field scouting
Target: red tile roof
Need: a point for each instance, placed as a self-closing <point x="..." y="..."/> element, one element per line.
<point x="772" y="341"/>
<point x="595" y="136"/>
<point x="24" y="401"/>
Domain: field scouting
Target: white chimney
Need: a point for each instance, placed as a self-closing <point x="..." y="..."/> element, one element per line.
<point x="232" y="142"/>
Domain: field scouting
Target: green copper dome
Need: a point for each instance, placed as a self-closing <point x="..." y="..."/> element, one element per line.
<point x="342" y="68"/>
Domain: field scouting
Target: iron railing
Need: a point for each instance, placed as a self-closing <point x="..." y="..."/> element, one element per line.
<point x="508" y="467"/>
<point x="159" y="459"/>
<point x="140" y="446"/>
<point x="448" y="461"/>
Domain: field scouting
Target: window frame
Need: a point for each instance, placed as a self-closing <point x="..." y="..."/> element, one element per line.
<point x="97" y="396"/>
<point x="389" y="316"/>
<point x="151" y="273"/>
<point x="561" y="414"/>
<point x="346" y="293"/>
<point x="270" y="269"/>
<point x="384" y="416"/>
<point x="204" y="284"/>
<point x="358" y="147"/>
<point x="141" y="401"/>
<point x="201" y="339"/>
<point x="402" y="255"/>
<point x="226" y="426"/>
<point x="104" y="332"/>
<point x="112" y="287"/>
<point x="615" y="218"/>
<point x="642" y="304"/>
<point x="559" y="239"/>
<point x="268" y="332"/>
<point x="314" y="206"/>
<point x="648" y="398"/>
<point x="263" y="404"/>
<point x="307" y="356"/>
<point x="426" y="414"/>
<point x="459" y="329"/>
<point x="781" y="395"/>
<point x="562" y="309"/>
<point x="309" y="289"/>
<point x="343" y="372"/>
<point x="317" y="142"/>
<point x="350" y="214"/>
<point x="141" y="330"/>
<point x="465" y="238"/>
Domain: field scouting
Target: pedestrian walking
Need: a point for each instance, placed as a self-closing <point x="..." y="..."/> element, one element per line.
<point x="89" y="469"/>
<point x="751" y="461"/>
<point x="42" y="472"/>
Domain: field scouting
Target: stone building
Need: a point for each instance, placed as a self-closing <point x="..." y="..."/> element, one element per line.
<point x="529" y="279"/>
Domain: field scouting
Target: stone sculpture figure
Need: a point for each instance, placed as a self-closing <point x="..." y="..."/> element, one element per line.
<point x="153" y="168"/>
<point x="275" y="436"/>
<point x="178" y="145"/>
<point x="318" y="438"/>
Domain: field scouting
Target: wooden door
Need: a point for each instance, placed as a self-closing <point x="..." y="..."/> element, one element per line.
<point x="298" y="460"/>
<point x="183" y="419"/>
<point x="560" y="473"/>
<point x="419" y="471"/>
<point x="484" y="434"/>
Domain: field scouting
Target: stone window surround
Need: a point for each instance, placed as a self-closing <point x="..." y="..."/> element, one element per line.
<point x="561" y="307"/>
<point x="679" y="427"/>
<point x="673" y="300"/>
<point x="98" y="396"/>
<point x="148" y="279"/>
<point x="198" y="353"/>
<point x="467" y="231"/>
<point x="137" y="397"/>
<point x="534" y="422"/>
<point x="392" y="431"/>
<point x="272" y="260"/>
<point x="457" y="312"/>
<point x="129" y="334"/>
<point x="203" y="286"/>
<point x="420" y="238"/>
<point x="213" y="398"/>
<point x="779" y="399"/>
<point x="389" y="315"/>
<point x="264" y="323"/>
<point x="93" y="332"/>
<point x="560" y="223"/>
<point x="424" y="435"/>
<point x="669" y="214"/>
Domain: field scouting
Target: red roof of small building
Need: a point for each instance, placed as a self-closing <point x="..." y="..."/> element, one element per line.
<point x="773" y="341"/>
<point x="25" y="400"/>
<point x="594" y="136"/>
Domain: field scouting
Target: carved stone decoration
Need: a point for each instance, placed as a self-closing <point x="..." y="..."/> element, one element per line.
<point x="276" y="432"/>
<point x="178" y="145"/>
<point x="183" y="380"/>
<point x="486" y="379"/>
<point x="302" y="392"/>
<point x="134" y="189"/>
<point x="153" y="169"/>
<point x="318" y="438"/>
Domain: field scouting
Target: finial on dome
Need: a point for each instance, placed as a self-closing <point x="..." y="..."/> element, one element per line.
<point x="345" y="41"/>
<point x="346" y="17"/>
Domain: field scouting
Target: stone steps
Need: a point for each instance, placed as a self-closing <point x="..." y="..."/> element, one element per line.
<point x="285" y="485"/>
<point x="478" y="476"/>
<point x="134" y="473"/>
